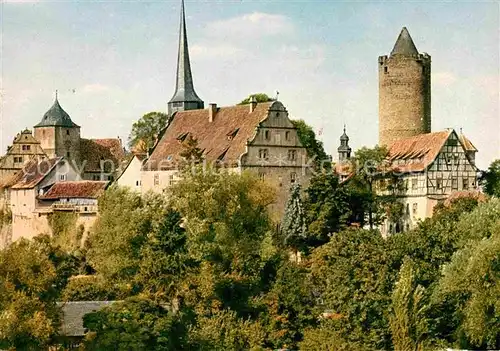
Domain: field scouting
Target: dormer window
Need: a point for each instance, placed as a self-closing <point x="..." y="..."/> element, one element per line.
<point x="182" y="137"/>
<point x="232" y="134"/>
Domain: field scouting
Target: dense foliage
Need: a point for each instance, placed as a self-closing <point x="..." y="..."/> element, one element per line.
<point x="147" y="130"/>
<point x="203" y="267"/>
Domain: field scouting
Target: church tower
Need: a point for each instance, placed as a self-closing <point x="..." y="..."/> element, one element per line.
<point x="344" y="149"/>
<point x="404" y="91"/>
<point x="58" y="135"/>
<point x="185" y="98"/>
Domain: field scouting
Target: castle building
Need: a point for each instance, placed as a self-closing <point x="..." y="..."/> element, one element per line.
<point x="257" y="136"/>
<point x="24" y="148"/>
<point x="431" y="166"/>
<point x="404" y="92"/>
<point x="58" y="135"/>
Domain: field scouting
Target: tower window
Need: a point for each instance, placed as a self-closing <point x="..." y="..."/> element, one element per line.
<point x="263" y="154"/>
<point x="292" y="155"/>
<point x="293" y="177"/>
<point x="67" y="131"/>
<point x="267" y="135"/>
<point x="287" y="136"/>
<point x="386" y="69"/>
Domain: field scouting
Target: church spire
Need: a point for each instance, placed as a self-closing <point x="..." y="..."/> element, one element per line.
<point x="185" y="98"/>
<point x="404" y="44"/>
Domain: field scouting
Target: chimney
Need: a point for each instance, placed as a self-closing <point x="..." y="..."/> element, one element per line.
<point x="212" y="110"/>
<point x="253" y="103"/>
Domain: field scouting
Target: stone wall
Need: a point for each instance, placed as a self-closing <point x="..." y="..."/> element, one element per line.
<point x="404" y="97"/>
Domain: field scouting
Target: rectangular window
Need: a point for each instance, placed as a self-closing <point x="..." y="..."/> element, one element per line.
<point x="454" y="183"/>
<point x="439" y="183"/>
<point x="62" y="177"/>
<point x="293" y="177"/>
<point x="292" y="155"/>
<point x="262" y="176"/>
<point x="171" y="180"/>
<point x="414" y="184"/>
<point x="156" y="180"/>
<point x="263" y="154"/>
<point x="26" y="147"/>
<point x="96" y="177"/>
<point x="465" y="183"/>
<point x="267" y="135"/>
<point x="287" y="136"/>
<point x="408" y="209"/>
<point x="277" y="138"/>
<point x="415" y="208"/>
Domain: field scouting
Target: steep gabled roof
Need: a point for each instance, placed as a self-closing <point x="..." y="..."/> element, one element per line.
<point x="78" y="189"/>
<point x="225" y="136"/>
<point x="34" y="172"/>
<point x="420" y="151"/>
<point x="466" y="143"/>
<point x="404" y="44"/>
<point x="93" y="151"/>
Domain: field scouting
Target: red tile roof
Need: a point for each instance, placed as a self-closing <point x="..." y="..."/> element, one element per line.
<point x="33" y="173"/>
<point x="466" y="143"/>
<point x="93" y="151"/>
<point x="80" y="189"/>
<point x="418" y="151"/>
<point x="224" y="138"/>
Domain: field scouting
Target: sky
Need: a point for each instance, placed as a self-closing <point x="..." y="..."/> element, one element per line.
<point x="114" y="61"/>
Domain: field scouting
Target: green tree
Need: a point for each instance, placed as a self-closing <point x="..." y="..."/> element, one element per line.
<point x="468" y="289"/>
<point x="226" y="219"/>
<point x="327" y="208"/>
<point x="289" y="307"/>
<point x="491" y="179"/>
<point x="147" y="130"/>
<point x="120" y="231"/>
<point x="164" y="258"/>
<point x="408" y="318"/>
<point x="28" y="314"/>
<point x="259" y="97"/>
<point x="293" y="227"/>
<point x="314" y="147"/>
<point x="226" y="331"/>
<point x="368" y="166"/>
<point x="134" y="324"/>
<point x="351" y="276"/>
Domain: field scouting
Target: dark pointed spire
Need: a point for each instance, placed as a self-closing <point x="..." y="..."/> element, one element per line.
<point x="404" y="44"/>
<point x="344" y="149"/>
<point x="185" y="97"/>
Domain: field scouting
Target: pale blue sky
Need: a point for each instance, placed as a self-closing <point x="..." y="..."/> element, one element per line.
<point x="119" y="58"/>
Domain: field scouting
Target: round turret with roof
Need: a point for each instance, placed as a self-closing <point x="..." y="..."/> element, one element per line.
<point x="404" y="91"/>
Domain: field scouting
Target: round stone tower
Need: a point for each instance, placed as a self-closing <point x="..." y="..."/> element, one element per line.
<point x="404" y="92"/>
